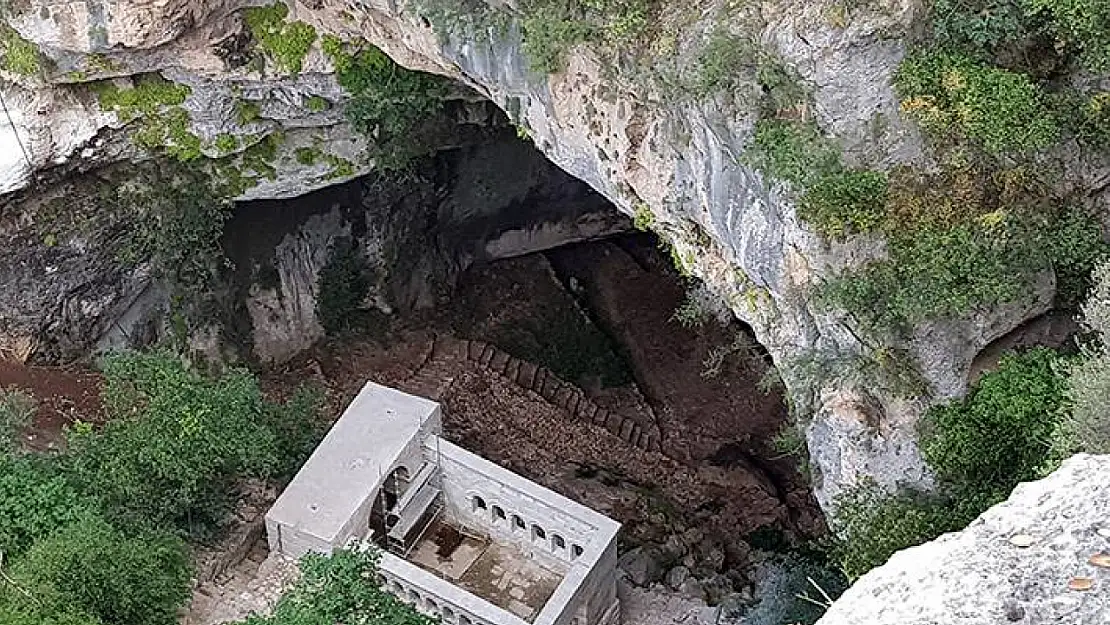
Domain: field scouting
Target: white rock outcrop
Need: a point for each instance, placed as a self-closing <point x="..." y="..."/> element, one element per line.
<point x="981" y="576"/>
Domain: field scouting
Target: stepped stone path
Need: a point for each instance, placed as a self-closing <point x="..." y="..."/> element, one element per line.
<point x="437" y="373"/>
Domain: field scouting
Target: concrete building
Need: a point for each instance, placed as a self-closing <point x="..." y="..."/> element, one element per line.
<point x="461" y="537"/>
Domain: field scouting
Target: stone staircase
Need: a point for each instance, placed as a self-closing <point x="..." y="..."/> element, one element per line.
<point x="449" y="353"/>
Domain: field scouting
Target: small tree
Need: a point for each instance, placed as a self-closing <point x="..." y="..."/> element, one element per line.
<point x="175" y="442"/>
<point x="122" y="579"/>
<point x="340" y="588"/>
<point x="1001" y="433"/>
<point x="1086" y="426"/>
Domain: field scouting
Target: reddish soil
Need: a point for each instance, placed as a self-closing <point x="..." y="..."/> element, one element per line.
<point x="64" y="394"/>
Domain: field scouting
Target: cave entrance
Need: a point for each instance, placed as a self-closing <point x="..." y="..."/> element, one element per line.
<point x="562" y="343"/>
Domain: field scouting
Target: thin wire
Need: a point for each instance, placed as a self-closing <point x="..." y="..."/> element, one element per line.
<point x="15" y="130"/>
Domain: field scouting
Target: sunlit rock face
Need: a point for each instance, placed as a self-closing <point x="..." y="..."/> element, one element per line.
<point x="985" y="574"/>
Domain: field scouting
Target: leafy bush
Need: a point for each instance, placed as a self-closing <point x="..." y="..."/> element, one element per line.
<point x="17" y="55"/>
<point x="550" y="31"/>
<point x="845" y="202"/>
<point x="836" y="201"/>
<point x="1084" y="24"/>
<point x="1000" y="110"/>
<point x="964" y="239"/>
<point x="340" y="588"/>
<point x="178" y="217"/>
<point x="174" y="444"/>
<point x="343" y="284"/>
<point x="286" y="43"/>
<point x="1001" y="433"/>
<point x="871" y="525"/>
<point x="1086" y="115"/>
<point x="122" y="579"/>
<point x="782" y="586"/>
<point x="935" y="273"/>
<point x="551" y="28"/>
<point x="792" y="151"/>
<point x="984" y="28"/>
<point x="1085" y="426"/>
<point x="387" y="101"/>
<point x="34" y="501"/>
<point x="16" y="410"/>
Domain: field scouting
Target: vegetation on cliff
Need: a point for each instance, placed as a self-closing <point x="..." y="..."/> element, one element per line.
<point x="1017" y="424"/>
<point x="95" y="535"/>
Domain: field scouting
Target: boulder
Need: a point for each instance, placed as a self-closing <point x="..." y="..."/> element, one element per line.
<point x="983" y="576"/>
<point x="642" y="566"/>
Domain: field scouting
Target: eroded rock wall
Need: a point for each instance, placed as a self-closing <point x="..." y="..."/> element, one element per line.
<point x="679" y="157"/>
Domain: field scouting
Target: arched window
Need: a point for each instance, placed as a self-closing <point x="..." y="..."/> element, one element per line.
<point x="538" y="533"/>
<point x="448" y="615"/>
<point x="498" y="513"/>
<point x="518" y="523"/>
<point x="433" y="606"/>
<point x="414" y="597"/>
<point x="464" y="620"/>
<point x="558" y="542"/>
<point x="575" y="551"/>
<point x="477" y="503"/>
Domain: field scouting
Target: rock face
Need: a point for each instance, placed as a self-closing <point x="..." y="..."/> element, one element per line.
<point x="979" y="576"/>
<point x="676" y="156"/>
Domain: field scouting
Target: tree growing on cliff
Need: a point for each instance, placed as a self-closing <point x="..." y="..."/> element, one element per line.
<point x="1086" y="425"/>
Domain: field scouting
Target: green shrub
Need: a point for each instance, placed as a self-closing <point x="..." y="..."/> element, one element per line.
<point x="1085" y="25"/>
<point x="16" y="411"/>
<point x="983" y="28"/>
<point x="792" y="151"/>
<point x="1086" y="115"/>
<point x="316" y="104"/>
<point x="343" y="284"/>
<point x="297" y="429"/>
<point x="17" y="55"/>
<point x="1001" y="433"/>
<point x="178" y="217"/>
<point x="1085" y="425"/>
<point x="550" y="31"/>
<point x="17" y="609"/>
<point x="723" y="62"/>
<point x="945" y="265"/>
<point x="226" y="144"/>
<point x="150" y="95"/>
<point x="934" y="274"/>
<point x="247" y="111"/>
<point x="836" y="201"/>
<point x="174" y="444"/>
<point x="387" y="101"/>
<point x="286" y="43"/>
<point x="1002" y="111"/>
<point x="846" y="202"/>
<point x="340" y="588"/>
<point x="307" y="156"/>
<point x="122" y="579"/>
<point x="785" y="590"/>
<point x="871" y="525"/>
<point x="35" y="500"/>
<point x="154" y="103"/>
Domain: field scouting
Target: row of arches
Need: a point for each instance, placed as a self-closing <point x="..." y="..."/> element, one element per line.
<point x="518" y="525"/>
<point x="429" y="604"/>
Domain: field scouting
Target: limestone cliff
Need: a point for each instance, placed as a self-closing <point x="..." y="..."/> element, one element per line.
<point x="674" y="160"/>
<point x="1013" y="564"/>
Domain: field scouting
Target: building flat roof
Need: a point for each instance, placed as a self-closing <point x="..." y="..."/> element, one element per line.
<point x="352" y="461"/>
